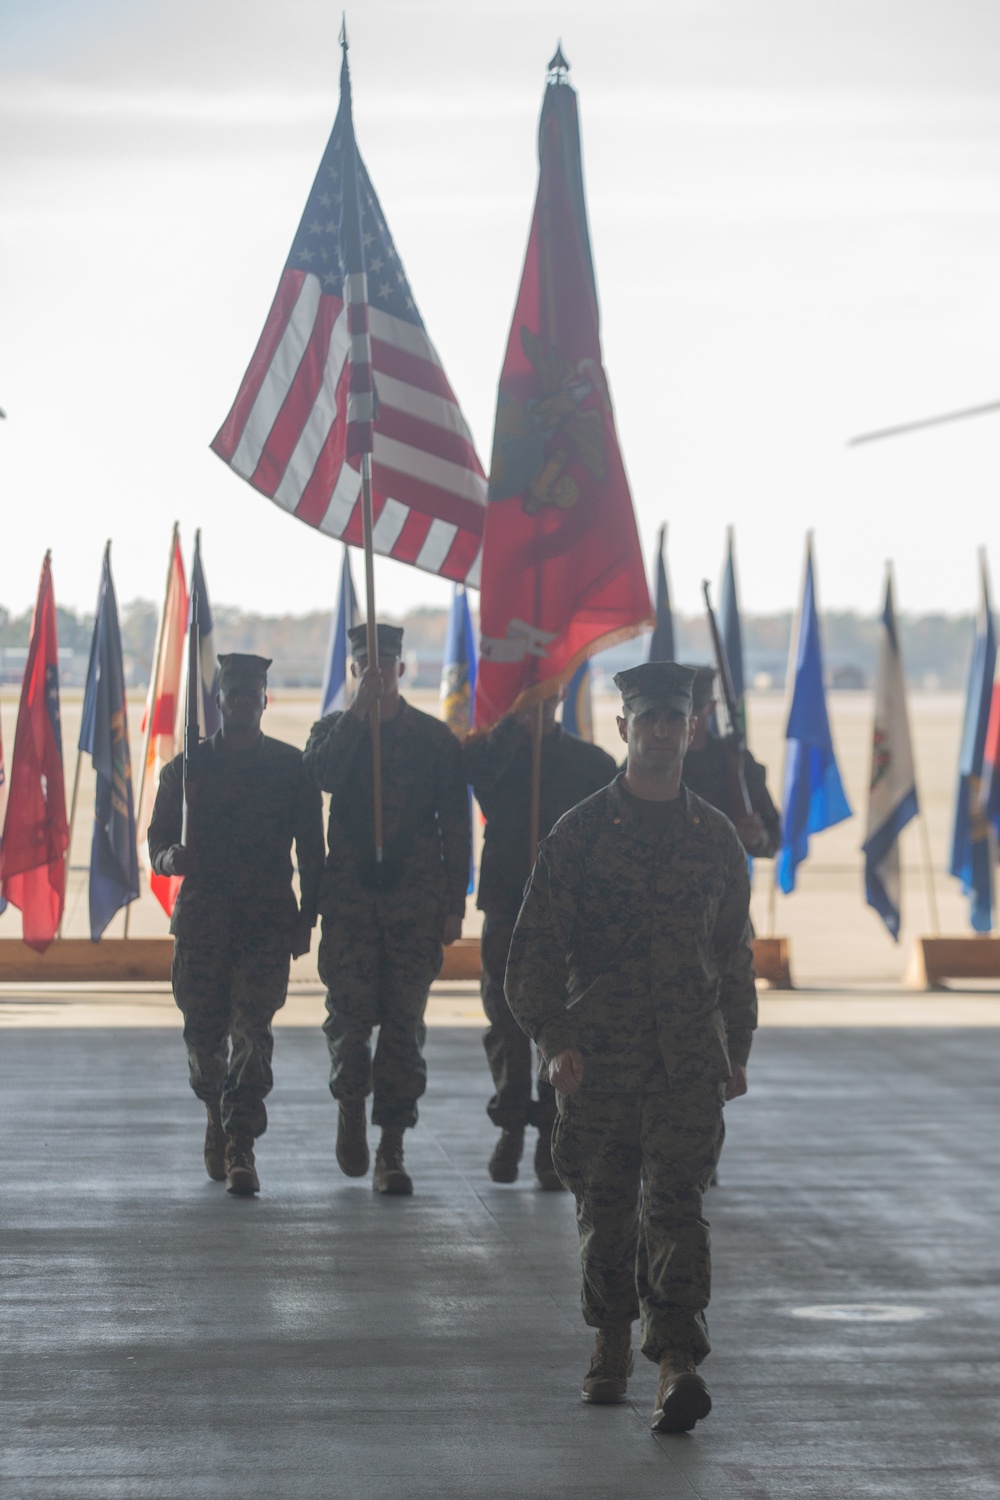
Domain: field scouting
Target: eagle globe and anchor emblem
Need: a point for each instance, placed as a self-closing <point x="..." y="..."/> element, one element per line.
<point x="538" y="438"/>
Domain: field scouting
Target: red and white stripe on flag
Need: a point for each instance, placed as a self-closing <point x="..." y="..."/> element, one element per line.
<point x="307" y="403"/>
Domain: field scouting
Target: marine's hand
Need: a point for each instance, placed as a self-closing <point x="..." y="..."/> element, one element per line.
<point x="566" y="1071"/>
<point x="301" y="937"/>
<point x="369" y="689"/>
<point x="737" y="1085"/>
<point x="753" y="835"/>
<point x="179" y="860"/>
<point x="452" y="930"/>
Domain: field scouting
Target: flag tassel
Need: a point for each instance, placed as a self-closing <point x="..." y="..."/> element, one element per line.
<point x="371" y="633"/>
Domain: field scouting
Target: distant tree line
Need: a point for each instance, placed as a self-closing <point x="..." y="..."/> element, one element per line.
<point x="936" y="648"/>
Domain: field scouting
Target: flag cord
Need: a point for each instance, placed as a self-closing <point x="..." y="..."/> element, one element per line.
<point x="371" y="633"/>
<point x="69" y="839"/>
<point x="928" y="868"/>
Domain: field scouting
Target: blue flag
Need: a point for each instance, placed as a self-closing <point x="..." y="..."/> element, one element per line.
<point x="661" y="643"/>
<point x="458" y="679"/>
<point x="114" y="857"/>
<point x="813" y="795"/>
<point x="732" y="633"/>
<point x="971" y="860"/>
<point x="209" y="718"/>
<point x="577" y="713"/>
<point x="334" y="695"/>
<point x="892" y="798"/>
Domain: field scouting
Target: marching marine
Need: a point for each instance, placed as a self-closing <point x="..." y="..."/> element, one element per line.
<point x="497" y="765"/>
<point x="236" y="923"/>
<point x="384" y="924"/>
<point x="631" y="969"/>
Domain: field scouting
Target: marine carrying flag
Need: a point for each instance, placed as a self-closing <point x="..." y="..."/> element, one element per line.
<point x="335" y="695"/>
<point x="813" y="794"/>
<point x="661" y="642"/>
<point x="336" y="326"/>
<point x="731" y="631"/>
<point x="163" y="721"/>
<point x="562" y="569"/>
<point x="36" y="832"/>
<point x="971" y="851"/>
<point x="114" y="858"/>
<point x="892" y="798"/>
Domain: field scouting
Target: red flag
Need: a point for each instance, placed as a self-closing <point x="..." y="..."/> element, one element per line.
<point x="562" y="572"/>
<point x="163" y="722"/>
<point x="36" y="833"/>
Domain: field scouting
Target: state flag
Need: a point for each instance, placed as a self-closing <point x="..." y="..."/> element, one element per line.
<point x="813" y="793"/>
<point x="114" y="857"/>
<point x="892" y="796"/>
<point x="36" y="831"/>
<point x="971" y="845"/>
<point x="163" y="721"/>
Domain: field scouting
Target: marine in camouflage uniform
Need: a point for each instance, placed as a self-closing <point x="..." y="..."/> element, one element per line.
<point x="236" y="923"/>
<point x="383" y="929"/>
<point x="631" y="969"/>
<point x="708" y="773"/>
<point x="497" y="765"/>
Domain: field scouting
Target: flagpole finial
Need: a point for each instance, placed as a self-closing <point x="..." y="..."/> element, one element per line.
<point x="558" y="66"/>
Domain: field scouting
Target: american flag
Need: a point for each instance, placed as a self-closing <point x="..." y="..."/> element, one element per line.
<point x="343" y="312"/>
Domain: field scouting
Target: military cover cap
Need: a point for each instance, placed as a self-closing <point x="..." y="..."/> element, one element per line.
<point x="656" y="684"/>
<point x="240" y="669"/>
<point x="703" y="687"/>
<point x="390" y="640"/>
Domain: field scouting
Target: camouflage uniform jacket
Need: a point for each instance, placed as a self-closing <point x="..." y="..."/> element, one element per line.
<point x="635" y="948"/>
<point x="426" y="831"/>
<point x="706" y="773"/>
<point x="497" y="764"/>
<point x="250" y="806"/>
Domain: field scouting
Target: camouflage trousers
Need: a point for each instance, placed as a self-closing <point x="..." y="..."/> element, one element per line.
<point x="378" y="966"/>
<point x="638" y="1166"/>
<point x="508" y="1050"/>
<point x="228" y="990"/>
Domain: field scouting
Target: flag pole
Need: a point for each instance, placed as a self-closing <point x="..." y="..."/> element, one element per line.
<point x="371" y="634"/>
<point x="151" y="700"/>
<point x="69" y="840"/>
<point x="928" y="870"/>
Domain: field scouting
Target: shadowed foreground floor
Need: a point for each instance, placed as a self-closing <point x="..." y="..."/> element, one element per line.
<point x="163" y="1340"/>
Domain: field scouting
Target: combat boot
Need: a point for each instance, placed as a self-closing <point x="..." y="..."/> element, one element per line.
<point x="682" y="1397"/>
<point x="545" y="1173"/>
<point x="611" y="1364"/>
<point x="506" y="1155"/>
<point x="390" y="1176"/>
<point x="215" y="1144"/>
<point x="352" y="1143"/>
<point x="241" y="1174"/>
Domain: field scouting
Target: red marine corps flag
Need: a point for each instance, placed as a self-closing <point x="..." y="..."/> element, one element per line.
<point x="344" y="320"/>
<point x="562" y="572"/>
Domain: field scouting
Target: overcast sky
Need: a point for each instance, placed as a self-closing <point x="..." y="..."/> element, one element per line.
<point x="795" y="211"/>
